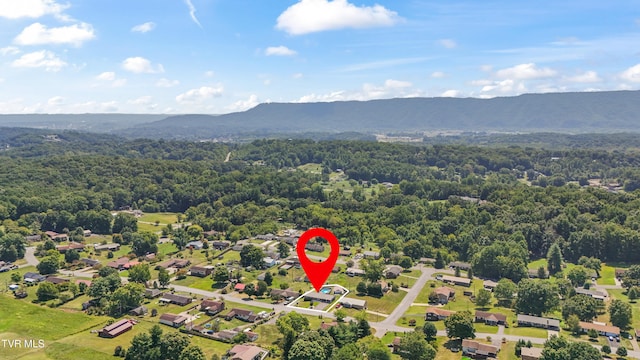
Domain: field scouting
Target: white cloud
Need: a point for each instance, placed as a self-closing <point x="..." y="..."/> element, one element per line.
<point x="9" y="50"/>
<point x="166" y="83"/>
<point x="209" y="73"/>
<point x="40" y="59"/>
<point x="192" y="12"/>
<point x="145" y="102"/>
<point x="279" y="51"/>
<point x="486" y="68"/>
<point x="55" y="101"/>
<point x="390" y="89"/>
<point x="243" y="105"/>
<point x="482" y="82"/>
<point x="38" y="34"/>
<point x="308" y="16"/>
<point x="525" y="71"/>
<point x="110" y="76"/>
<point x="448" y="43"/>
<point x="144" y="28"/>
<point x="587" y="77"/>
<point x="631" y="74"/>
<point x="297" y="76"/>
<point x="438" y="75"/>
<point x="107" y="76"/>
<point x="504" y="87"/>
<point x="195" y="96"/>
<point x="450" y="93"/>
<point x="140" y="65"/>
<point x="15" y="9"/>
<point x="379" y="64"/>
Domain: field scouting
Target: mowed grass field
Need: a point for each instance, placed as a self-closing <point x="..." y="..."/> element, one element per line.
<point x="25" y="321"/>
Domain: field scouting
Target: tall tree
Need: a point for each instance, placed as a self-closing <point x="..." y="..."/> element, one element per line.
<point x="124" y="222"/>
<point x="460" y="325"/>
<point x="251" y="255"/>
<point x="505" y="292"/>
<point x="620" y="314"/>
<point x="163" y="277"/>
<point x="536" y="297"/>
<point x="413" y="346"/>
<point x="583" y="306"/>
<point x="554" y="259"/>
<point x="373" y="269"/>
<point x="140" y="273"/>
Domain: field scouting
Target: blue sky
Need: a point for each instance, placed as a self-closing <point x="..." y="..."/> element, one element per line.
<point x="219" y="56"/>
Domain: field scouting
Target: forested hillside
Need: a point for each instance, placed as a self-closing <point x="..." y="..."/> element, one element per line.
<point x="457" y="198"/>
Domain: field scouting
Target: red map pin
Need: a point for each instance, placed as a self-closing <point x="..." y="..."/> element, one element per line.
<point x="318" y="273"/>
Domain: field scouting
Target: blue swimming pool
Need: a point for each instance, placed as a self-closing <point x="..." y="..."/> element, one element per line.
<point x="326" y="290"/>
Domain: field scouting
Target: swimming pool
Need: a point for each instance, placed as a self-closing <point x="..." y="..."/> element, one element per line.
<point x="326" y="290"/>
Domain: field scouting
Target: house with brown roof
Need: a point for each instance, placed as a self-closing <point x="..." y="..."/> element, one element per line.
<point x="479" y="350"/>
<point x="355" y="272"/>
<point x="107" y="247"/>
<point x="239" y="287"/>
<point x="444" y="294"/>
<point x="602" y="329"/>
<point x="531" y="353"/>
<point x="172" y="320"/>
<point x="620" y="273"/>
<point x="395" y="344"/>
<point x="201" y="271"/>
<point x="220" y="245"/>
<point x="211" y="307"/>
<point x="152" y="293"/>
<point x="489" y="285"/>
<point x="115" y="329"/>
<point x="284" y="294"/>
<point x="71" y="246"/>
<point x="57" y="237"/>
<point x="175" y="299"/>
<point x="176" y="263"/>
<point x="242" y="314"/>
<point x="460" y="265"/>
<point x="120" y="263"/>
<point x="247" y="352"/>
<point x="56" y="280"/>
<point x="435" y="314"/>
<point x="346" y="253"/>
<point x="491" y="318"/>
<point x="320" y="297"/>
<point x="139" y="311"/>
<point x="326" y="326"/>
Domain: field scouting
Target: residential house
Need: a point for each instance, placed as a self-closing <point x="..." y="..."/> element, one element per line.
<point x="620" y="273"/>
<point x="220" y="245"/>
<point x="392" y="272"/>
<point x="284" y="294"/>
<point x="602" y="329"/>
<point x="120" y="263"/>
<point x="239" y="287"/>
<point x="107" y="247"/>
<point x="491" y="318"/>
<point x="598" y="295"/>
<point x="489" y="285"/>
<point x="82" y="281"/>
<point x="355" y="272"/>
<point x="211" y="307"/>
<point x="435" y="314"/>
<point x="336" y="269"/>
<point x="139" y="311"/>
<point x="31" y="277"/>
<point x="425" y="260"/>
<point x="327" y="326"/>
<point x="176" y="299"/>
<point x="201" y="271"/>
<point x="444" y="294"/>
<point x="318" y="296"/>
<point x="266" y="237"/>
<point x="175" y="263"/>
<point x="269" y="261"/>
<point x="395" y="344"/>
<point x="115" y="329"/>
<point x="57" y="237"/>
<point x="242" y="314"/>
<point x="354" y="303"/>
<point x="479" y="350"/>
<point x="56" y="280"/>
<point x="71" y="246"/>
<point x="294" y="261"/>
<point x="314" y="247"/>
<point x="86" y="233"/>
<point x="33" y="238"/>
<point x="637" y="334"/>
<point x="247" y="352"/>
<point x="539" y="322"/>
<point x="456" y="280"/>
<point x="371" y="255"/>
<point x="251" y="336"/>
<point x="531" y="353"/>
<point x="210" y="234"/>
<point x="195" y="245"/>
<point x="90" y="262"/>
<point x="172" y="320"/>
<point x="152" y="293"/>
<point x="346" y="253"/>
<point x="289" y="240"/>
<point x="460" y="265"/>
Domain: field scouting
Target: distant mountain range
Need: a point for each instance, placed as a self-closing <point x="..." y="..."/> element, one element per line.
<point x="563" y="112"/>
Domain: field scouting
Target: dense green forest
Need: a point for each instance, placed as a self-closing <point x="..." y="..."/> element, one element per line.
<point x="453" y="200"/>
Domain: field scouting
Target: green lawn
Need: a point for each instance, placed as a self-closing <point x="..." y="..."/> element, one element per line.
<point x="162" y="218"/>
<point x="384" y="305"/>
<point x="526" y="331"/>
<point x="607" y="275"/>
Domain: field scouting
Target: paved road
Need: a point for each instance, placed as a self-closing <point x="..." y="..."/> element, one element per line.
<point x="427" y="273"/>
<point x="30" y="257"/>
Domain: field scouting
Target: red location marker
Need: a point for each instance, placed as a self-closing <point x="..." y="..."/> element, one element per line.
<point x="318" y="273"/>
